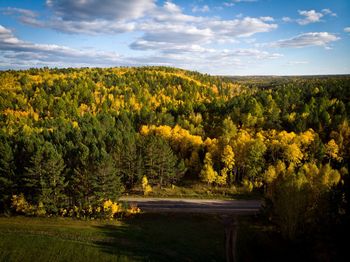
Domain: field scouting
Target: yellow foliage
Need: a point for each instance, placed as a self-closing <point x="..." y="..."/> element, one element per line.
<point x="270" y="174"/>
<point x="63" y="212"/>
<point x="280" y="167"/>
<point x="111" y="208"/>
<point x="35" y="116"/>
<point x="307" y="137"/>
<point x="133" y="209"/>
<point x="221" y="179"/>
<point x="332" y="150"/>
<point x="144" y="130"/>
<point x="41" y="209"/>
<point x="145" y="186"/>
<point x="248" y="185"/>
<point x="20" y="204"/>
<point x="285" y="138"/>
<point x="211" y="145"/>
<point x="177" y="136"/>
<point x="291" y="117"/>
<point x="208" y="174"/>
<point x="83" y="108"/>
<point x="228" y="157"/>
<point x="293" y="154"/>
<point x="15" y="113"/>
<point x="324" y="176"/>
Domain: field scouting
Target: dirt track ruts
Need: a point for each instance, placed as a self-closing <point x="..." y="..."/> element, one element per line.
<point x="179" y="205"/>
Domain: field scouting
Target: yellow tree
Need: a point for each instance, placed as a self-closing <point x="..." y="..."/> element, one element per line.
<point x="208" y="174"/>
<point x="228" y="159"/>
<point x="332" y="150"/>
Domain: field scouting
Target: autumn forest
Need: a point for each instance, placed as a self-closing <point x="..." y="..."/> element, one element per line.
<point x="74" y="140"/>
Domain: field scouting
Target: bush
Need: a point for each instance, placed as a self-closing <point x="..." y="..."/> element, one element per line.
<point x="107" y="209"/>
<point x="145" y="186"/>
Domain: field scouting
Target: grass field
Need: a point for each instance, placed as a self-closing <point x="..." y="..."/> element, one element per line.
<point x="152" y="237"/>
<point x="141" y="238"/>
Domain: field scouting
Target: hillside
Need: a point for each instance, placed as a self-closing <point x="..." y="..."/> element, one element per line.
<point x="75" y="137"/>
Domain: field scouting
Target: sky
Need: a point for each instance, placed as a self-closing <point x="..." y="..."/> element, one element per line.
<point x="230" y="37"/>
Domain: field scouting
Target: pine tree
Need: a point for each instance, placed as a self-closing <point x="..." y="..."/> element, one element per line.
<point x="45" y="178"/>
<point x="7" y="172"/>
<point x="106" y="182"/>
<point x="160" y="161"/>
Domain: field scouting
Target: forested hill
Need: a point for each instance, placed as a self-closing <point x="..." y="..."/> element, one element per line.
<point x="76" y="136"/>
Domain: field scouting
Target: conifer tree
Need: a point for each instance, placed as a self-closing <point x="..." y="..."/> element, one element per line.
<point x="46" y="178"/>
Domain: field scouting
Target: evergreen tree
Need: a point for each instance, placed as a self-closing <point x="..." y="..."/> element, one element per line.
<point x="7" y="173"/>
<point x="45" y="177"/>
<point x="160" y="161"/>
<point x="106" y="182"/>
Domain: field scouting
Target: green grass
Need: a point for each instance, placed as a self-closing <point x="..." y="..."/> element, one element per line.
<point x="144" y="237"/>
<point x="153" y="237"/>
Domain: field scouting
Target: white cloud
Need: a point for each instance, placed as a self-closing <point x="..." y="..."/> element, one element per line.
<point x="297" y="62"/>
<point x="88" y="10"/>
<point x="267" y="18"/>
<point x="18" y="11"/>
<point x="203" y="9"/>
<point x="17" y="52"/>
<point x="253" y="53"/>
<point x="170" y="25"/>
<point x="328" y="11"/>
<point x="347" y="29"/>
<point x="310" y="16"/>
<point x="287" y="19"/>
<point x="88" y="16"/>
<point x="171" y="12"/>
<point x="242" y="1"/>
<point x="229" y="4"/>
<point x="169" y="36"/>
<point x="307" y="39"/>
<point x="233" y="2"/>
<point x="93" y="27"/>
<point x="158" y="22"/>
<point x="166" y="47"/>
<point x="245" y="27"/>
<point x="176" y="33"/>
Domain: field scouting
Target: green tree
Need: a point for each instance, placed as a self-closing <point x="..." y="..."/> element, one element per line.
<point x="7" y="173"/>
<point x="45" y="175"/>
<point x="106" y="181"/>
<point x="160" y="161"/>
<point x="255" y="161"/>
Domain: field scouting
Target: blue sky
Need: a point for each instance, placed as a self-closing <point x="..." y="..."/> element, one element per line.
<point x="231" y="37"/>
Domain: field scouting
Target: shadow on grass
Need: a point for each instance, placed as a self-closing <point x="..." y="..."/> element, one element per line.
<point x="165" y="237"/>
<point x="188" y="237"/>
<point x="260" y="241"/>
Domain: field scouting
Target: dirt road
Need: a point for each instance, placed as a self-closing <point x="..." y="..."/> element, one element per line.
<point x="178" y="205"/>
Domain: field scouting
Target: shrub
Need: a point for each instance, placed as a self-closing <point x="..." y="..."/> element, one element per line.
<point x="145" y="186"/>
<point x="107" y="209"/>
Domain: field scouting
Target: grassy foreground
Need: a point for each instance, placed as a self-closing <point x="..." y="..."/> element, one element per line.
<point x="153" y="237"/>
<point x="141" y="238"/>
